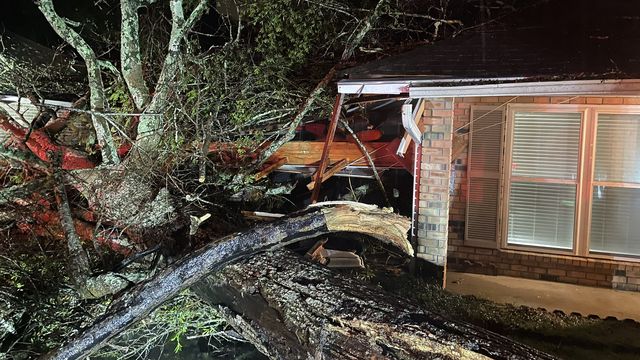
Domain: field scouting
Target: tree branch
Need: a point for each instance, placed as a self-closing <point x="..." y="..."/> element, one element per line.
<point x="302" y="112"/>
<point x="369" y="160"/>
<point x="130" y="54"/>
<point x="100" y="125"/>
<point x="80" y="268"/>
<point x="354" y="40"/>
<point x="150" y="127"/>
<point x="41" y="146"/>
<point x="366" y="219"/>
<point x="357" y="36"/>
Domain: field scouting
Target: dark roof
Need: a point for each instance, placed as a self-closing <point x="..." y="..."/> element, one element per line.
<point x="36" y="66"/>
<point x="558" y="40"/>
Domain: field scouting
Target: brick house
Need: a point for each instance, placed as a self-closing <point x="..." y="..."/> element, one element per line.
<point x="529" y="162"/>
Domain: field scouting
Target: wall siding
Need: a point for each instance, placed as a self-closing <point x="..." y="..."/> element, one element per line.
<point x="623" y="275"/>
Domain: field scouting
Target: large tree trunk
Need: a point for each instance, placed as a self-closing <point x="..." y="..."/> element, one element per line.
<point x="292" y="309"/>
<point x="316" y="221"/>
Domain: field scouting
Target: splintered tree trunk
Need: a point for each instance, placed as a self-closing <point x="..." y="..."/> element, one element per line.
<point x="138" y="302"/>
<point x="292" y="309"/>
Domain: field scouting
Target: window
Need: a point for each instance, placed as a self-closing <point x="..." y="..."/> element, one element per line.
<point x="615" y="215"/>
<point x="543" y="185"/>
<point x="572" y="179"/>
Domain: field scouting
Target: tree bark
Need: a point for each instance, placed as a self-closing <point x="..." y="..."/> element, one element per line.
<point x="293" y="309"/>
<point x="144" y="298"/>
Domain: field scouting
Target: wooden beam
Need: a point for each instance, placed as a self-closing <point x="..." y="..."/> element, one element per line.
<point x="324" y="160"/>
<point x="335" y="168"/>
<point x="308" y="153"/>
<point x="266" y="171"/>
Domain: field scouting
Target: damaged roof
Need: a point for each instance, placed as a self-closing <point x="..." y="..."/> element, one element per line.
<point x="556" y="40"/>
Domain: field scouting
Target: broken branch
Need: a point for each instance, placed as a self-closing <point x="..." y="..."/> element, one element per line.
<point x="369" y="160"/>
<point x="269" y="236"/>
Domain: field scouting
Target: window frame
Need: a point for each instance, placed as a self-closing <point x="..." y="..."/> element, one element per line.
<point x="584" y="177"/>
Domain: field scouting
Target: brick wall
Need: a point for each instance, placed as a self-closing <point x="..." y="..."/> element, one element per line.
<point x="433" y="187"/>
<point x="622" y="275"/>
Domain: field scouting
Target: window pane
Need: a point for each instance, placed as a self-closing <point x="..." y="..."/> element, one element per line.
<point x="541" y="214"/>
<point x="618" y="148"/>
<point x="546" y="145"/>
<point x="615" y="220"/>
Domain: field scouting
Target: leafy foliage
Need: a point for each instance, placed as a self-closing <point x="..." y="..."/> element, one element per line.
<point x="183" y="318"/>
<point x="290" y="31"/>
<point x="37" y="307"/>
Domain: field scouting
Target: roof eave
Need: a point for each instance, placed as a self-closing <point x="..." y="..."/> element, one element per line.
<point x="420" y="88"/>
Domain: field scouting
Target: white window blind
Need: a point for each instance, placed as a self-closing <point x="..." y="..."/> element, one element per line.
<point x="618" y="148"/>
<point x="615" y="214"/>
<point x="485" y="149"/>
<point x="615" y="221"/>
<point x="543" y="184"/>
<point x="542" y="214"/>
<point x="546" y="145"/>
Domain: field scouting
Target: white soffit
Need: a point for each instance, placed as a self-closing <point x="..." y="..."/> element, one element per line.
<point x="420" y="89"/>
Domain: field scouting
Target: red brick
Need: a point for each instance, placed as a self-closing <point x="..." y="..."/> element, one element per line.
<point x="569" y="280"/>
<point x="612" y="100"/>
<point x="432" y="121"/>
<point x="441" y="113"/>
<point x="519" y="268"/>
<point x="484" y="251"/>
<point x="510" y="273"/>
<point x="538" y="270"/>
<point x="576" y="274"/>
<point x="594" y="276"/>
<point x="431" y="151"/>
<point x="440" y="144"/>
<point x="633" y="280"/>
<point x="559" y="99"/>
<point x="587" y="282"/>
<point x="557" y="272"/>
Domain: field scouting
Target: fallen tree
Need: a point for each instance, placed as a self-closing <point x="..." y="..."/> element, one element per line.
<point x="142" y="299"/>
<point x="293" y="309"/>
<point x="289" y="308"/>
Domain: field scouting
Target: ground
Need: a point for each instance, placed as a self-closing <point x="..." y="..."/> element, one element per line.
<point x="566" y="336"/>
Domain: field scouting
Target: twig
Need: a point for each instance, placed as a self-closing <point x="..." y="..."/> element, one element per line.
<point x="366" y="154"/>
<point x="80" y="261"/>
<point x="304" y="109"/>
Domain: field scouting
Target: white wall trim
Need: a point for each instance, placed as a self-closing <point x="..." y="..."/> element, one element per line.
<point x="457" y="88"/>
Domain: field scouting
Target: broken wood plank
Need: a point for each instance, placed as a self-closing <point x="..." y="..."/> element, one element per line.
<point x="261" y="215"/>
<point x="335" y="168"/>
<point x="269" y="169"/>
<point x="324" y="159"/>
<point x="308" y="153"/>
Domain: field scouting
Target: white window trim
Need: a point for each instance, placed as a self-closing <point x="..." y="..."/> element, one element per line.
<point x="584" y="178"/>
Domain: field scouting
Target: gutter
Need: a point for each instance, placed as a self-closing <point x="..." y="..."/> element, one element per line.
<point x="505" y="87"/>
<point x="23" y="100"/>
<point x="402" y="86"/>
